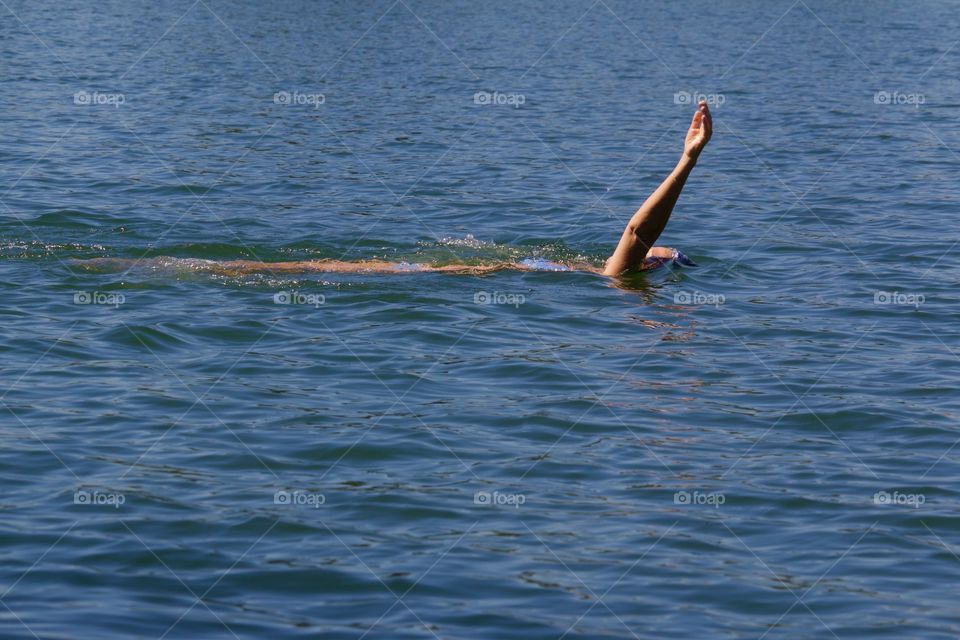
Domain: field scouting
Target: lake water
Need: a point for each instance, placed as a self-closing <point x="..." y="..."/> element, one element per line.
<point x="764" y="446"/>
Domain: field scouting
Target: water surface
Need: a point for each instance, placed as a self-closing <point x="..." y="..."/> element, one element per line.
<point x="763" y="446"/>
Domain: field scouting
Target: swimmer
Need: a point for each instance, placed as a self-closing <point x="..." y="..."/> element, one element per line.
<point x="634" y="252"/>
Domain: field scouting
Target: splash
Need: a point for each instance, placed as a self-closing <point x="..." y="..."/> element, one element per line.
<point x="467" y="241"/>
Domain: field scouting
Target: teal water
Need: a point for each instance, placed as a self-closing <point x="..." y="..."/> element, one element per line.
<point x="764" y="446"/>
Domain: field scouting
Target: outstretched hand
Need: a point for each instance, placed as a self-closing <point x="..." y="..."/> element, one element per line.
<point x="701" y="128"/>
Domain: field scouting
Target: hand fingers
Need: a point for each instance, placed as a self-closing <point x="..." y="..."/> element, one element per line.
<point x="707" y="118"/>
<point x="697" y="119"/>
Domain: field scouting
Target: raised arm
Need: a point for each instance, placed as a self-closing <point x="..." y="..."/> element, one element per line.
<point x="648" y="222"/>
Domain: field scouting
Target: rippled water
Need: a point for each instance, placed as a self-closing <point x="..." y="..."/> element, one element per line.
<point x="763" y="446"/>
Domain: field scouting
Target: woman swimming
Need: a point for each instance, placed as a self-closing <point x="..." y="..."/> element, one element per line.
<point x="634" y="252"/>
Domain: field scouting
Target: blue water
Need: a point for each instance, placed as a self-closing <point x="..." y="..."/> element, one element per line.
<point x="764" y="446"/>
